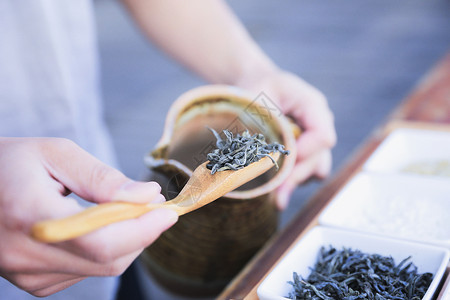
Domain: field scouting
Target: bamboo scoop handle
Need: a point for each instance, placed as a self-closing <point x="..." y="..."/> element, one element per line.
<point x="201" y="189"/>
<point x="92" y="218"/>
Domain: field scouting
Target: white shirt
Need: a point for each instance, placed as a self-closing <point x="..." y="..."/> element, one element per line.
<point x="49" y="86"/>
<point x="49" y="83"/>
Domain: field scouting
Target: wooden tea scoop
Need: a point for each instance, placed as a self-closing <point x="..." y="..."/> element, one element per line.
<point x="201" y="189"/>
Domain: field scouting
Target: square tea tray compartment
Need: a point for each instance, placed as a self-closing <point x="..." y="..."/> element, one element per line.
<point x="303" y="255"/>
<point x="398" y="205"/>
<point x="418" y="150"/>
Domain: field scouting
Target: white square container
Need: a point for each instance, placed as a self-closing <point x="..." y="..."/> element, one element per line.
<point x="303" y="255"/>
<point x="404" y="147"/>
<point x="397" y="205"/>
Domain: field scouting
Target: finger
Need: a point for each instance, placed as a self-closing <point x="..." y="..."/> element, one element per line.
<point x="318" y="135"/>
<point x="300" y="173"/>
<point x="122" y="238"/>
<point x="309" y="144"/>
<point x="91" y="179"/>
<point x="324" y="164"/>
<point x="36" y="282"/>
<point x="41" y="204"/>
<point x="312" y="113"/>
<point x="37" y="258"/>
<point x="56" y="287"/>
<point x="284" y="194"/>
<point x="40" y="259"/>
<point x="92" y="255"/>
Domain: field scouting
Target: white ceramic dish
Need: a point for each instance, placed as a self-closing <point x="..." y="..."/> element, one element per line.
<point x="406" y="146"/>
<point x="398" y="205"/>
<point x="303" y="255"/>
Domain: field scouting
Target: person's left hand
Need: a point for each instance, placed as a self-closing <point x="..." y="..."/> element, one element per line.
<point x="309" y="109"/>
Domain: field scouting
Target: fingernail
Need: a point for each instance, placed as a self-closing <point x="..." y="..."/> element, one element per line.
<point x="158" y="199"/>
<point x="137" y="186"/>
<point x="135" y="191"/>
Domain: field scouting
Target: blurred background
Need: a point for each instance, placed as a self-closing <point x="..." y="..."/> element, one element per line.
<point x="365" y="56"/>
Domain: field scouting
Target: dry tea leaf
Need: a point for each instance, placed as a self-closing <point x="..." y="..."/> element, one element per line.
<point x="351" y="274"/>
<point x="234" y="153"/>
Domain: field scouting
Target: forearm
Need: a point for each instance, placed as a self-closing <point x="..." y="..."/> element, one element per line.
<point x="204" y="35"/>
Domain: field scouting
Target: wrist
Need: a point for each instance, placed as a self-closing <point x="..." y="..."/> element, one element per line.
<point x="250" y="71"/>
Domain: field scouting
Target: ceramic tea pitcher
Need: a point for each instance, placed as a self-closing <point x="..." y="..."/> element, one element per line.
<point x="206" y="248"/>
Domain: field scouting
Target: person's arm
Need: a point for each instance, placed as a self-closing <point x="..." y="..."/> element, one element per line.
<point x="203" y="35"/>
<point x="35" y="176"/>
<point x="208" y="38"/>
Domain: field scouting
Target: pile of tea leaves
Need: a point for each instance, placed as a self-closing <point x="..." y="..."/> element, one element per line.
<point x="237" y="152"/>
<point x="351" y="274"/>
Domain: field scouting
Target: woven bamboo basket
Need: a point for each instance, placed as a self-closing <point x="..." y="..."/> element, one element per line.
<point x="200" y="254"/>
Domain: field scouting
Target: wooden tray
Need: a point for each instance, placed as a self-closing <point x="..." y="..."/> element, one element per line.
<point x="428" y="107"/>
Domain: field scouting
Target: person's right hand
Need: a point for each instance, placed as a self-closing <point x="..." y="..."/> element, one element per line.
<point x="35" y="176"/>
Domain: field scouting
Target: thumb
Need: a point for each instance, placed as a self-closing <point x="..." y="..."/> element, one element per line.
<point x="90" y="178"/>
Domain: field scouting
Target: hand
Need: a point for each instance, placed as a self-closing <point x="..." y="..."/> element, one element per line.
<point x="309" y="108"/>
<point x="35" y="175"/>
